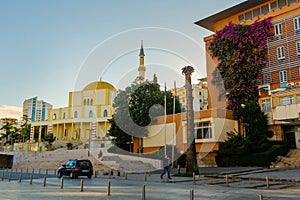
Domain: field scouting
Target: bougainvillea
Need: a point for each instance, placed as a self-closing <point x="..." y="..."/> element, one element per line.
<point x="241" y="51"/>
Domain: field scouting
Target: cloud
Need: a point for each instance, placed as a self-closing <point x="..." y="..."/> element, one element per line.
<point x="11" y="111"/>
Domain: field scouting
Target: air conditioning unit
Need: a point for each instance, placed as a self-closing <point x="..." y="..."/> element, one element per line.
<point x="290" y="84"/>
<point x="278" y="37"/>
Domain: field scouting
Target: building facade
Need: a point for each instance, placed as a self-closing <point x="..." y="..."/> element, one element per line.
<point x="85" y="117"/>
<point x="36" y="110"/>
<point x="279" y="91"/>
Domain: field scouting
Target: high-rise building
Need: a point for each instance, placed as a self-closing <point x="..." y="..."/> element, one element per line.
<point x="36" y="110"/>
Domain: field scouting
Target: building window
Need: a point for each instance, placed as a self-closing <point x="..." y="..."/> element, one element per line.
<point x="286" y="100"/>
<point x="91" y="113"/>
<point x="297" y="25"/>
<point x="203" y="131"/>
<point x="298" y="49"/>
<point x="274" y="5"/>
<point x="266" y="105"/>
<point x="280" y="53"/>
<point x="281" y="3"/>
<point x="91" y="101"/>
<point x="282" y="76"/>
<point x="265" y="9"/>
<point x="298" y="98"/>
<point x="278" y="29"/>
<point x="75" y="114"/>
<point x="64" y="115"/>
<point x="256" y="12"/>
<point x="105" y="113"/>
<point x="291" y="1"/>
<point x="54" y="116"/>
<point x="266" y="79"/>
<point x="248" y="15"/>
<point x="88" y="102"/>
<point x="84" y="101"/>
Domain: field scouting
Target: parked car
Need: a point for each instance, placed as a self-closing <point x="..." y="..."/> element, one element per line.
<point x="75" y="168"/>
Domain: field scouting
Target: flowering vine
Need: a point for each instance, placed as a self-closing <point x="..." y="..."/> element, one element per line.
<point x="241" y="51"/>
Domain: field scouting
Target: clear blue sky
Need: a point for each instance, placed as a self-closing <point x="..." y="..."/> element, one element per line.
<point x="45" y="43"/>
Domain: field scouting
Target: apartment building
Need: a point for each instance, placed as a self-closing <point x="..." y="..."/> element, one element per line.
<point x="279" y="89"/>
<point x="35" y="109"/>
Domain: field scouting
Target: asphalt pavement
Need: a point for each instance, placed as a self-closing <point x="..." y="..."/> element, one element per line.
<point x="210" y="184"/>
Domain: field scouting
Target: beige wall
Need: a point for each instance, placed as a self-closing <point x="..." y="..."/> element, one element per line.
<point x="159" y="135"/>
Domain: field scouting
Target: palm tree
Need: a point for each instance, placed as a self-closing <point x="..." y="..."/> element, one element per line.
<point x="10" y="130"/>
<point x="191" y="161"/>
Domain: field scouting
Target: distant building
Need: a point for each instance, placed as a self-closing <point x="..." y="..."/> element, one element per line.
<point x="200" y="95"/>
<point x="36" y="110"/>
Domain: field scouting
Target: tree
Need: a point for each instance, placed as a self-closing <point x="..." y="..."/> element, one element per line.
<point x="10" y="131"/>
<point x="25" y="129"/>
<point x="191" y="161"/>
<point x="135" y="108"/>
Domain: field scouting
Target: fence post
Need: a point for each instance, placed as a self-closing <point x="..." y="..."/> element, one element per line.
<point x="145" y="177"/>
<point x="39" y="170"/>
<point x="143" y="192"/>
<point x="44" y="181"/>
<point x="81" y="185"/>
<point x="46" y="171"/>
<point x="108" y="188"/>
<point x="20" y="179"/>
<point x="9" y="176"/>
<point x="30" y="179"/>
<point x="191" y="194"/>
<point x="33" y="171"/>
<point x="2" y="176"/>
<point x="267" y="182"/>
<point x="226" y="178"/>
<point x="260" y="197"/>
<point x="194" y="178"/>
<point x="61" y="183"/>
<point x="125" y="175"/>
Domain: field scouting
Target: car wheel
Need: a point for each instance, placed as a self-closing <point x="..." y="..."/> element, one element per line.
<point x="59" y="174"/>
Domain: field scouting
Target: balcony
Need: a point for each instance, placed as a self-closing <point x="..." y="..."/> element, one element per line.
<point x="286" y="112"/>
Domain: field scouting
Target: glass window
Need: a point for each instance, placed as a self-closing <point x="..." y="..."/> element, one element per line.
<point x="248" y="15"/>
<point x="88" y="102"/>
<point x="64" y="115"/>
<point x="256" y="12"/>
<point x="297" y="23"/>
<point x="282" y="76"/>
<point x="298" y="98"/>
<point x="203" y="131"/>
<point x="278" y="29"/>
<point x="281" y="3"/>
<point x="105" y="113"/>
<point x="280" y="53"/>
<point x="75" y="114"/>
<point x="298" y="48"/>
<point x="91" y="101"/>
<point x="274" y="5"/>
<point x="266" y="105"/>
<point x="265" y="9"/>
<point x="84" y="102"/>
<point x="291" y="1"/>
<point x="286" y="100"/>
<point x="241" y="18"/>
<point x="91" y="113"/>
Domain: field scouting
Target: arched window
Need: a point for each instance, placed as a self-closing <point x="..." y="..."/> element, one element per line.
<point x="84" y="101"/>
<point x="91" y="101"/>
<point x="91" y="113"/>
<point x="75" y="114"/>
<point x="64" y="115"/>
<point x="88" y="102"/>
<point x="105" y="113"/>
<point x="54" y="116"/>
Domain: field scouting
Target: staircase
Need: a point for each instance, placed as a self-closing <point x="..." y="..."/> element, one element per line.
<point x="291" y="160"/>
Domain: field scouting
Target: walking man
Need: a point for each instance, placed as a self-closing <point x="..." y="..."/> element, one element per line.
<point x="167" y="165"/>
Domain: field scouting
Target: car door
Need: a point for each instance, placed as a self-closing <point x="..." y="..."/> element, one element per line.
<point x="68" y="167"/>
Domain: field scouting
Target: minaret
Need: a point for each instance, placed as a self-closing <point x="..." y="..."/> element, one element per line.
<point x="142" y="68"/>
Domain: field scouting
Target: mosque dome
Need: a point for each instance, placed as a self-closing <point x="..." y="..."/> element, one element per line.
<point x="98" y="85"/>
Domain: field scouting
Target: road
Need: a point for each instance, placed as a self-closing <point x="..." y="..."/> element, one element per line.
<point x="121" y="189"/>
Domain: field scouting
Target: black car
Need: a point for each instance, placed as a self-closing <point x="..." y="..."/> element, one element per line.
<point x="75" y="168"/>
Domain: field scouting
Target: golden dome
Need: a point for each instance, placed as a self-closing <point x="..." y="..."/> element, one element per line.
<point x="98" y="85"/>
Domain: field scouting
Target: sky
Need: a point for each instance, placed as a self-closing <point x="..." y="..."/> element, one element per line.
<point x="52" y="47"/>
